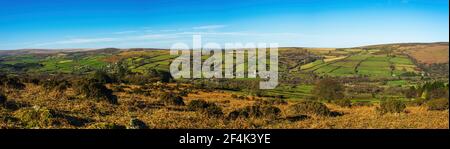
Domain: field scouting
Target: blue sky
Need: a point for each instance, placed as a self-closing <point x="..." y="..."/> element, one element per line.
<point x="161" y="23"/>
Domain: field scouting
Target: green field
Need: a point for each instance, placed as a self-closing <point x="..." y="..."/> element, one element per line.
<point x="292" y="92"/>
<point x="363" y="64"/>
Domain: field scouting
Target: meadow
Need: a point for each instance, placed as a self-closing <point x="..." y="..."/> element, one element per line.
<point x="363" y="64"/>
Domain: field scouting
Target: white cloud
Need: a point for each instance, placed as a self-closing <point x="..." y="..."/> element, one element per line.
<point x="77" y="41"/>
<point x="166" y="37"/>
<point x="102" y="40"/>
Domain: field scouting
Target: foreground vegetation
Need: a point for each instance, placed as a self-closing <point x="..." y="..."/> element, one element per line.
<point x="34" y="109"/>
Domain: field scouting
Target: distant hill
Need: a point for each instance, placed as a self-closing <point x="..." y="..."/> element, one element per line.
<point x="54" y="51"/>
<point x="426" y="53"/>
<point x="384" y="60"/>
<point x="39" y="51"/>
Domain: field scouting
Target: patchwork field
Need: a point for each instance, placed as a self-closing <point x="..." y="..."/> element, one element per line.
<point x="363" y="64"/>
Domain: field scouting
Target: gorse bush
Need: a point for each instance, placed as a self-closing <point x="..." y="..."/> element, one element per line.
<point x="35" y="117"/>
<point x="255" y="111"/>
<point x="102" y="77"/>
<point x="343" y="103"/>
<point x="3" y="99"/>
<point x="196" y="105"/>
<point x="391" y="106"/>
<point x="252" y="111"/>
<point x="13" y="83"/>
<point x="270" y="111"/>
<point x="211" y="109"/>
<point x="438" y="104"/>
<point x="105" y="125"/>
<point x="328" y="89"/>
<point x="158" y="75"/>
<point x="170" y="98"/>
<point x="56" y="84"/>
<point x="95" y="90"/>
<point x="137" y="124"/>
<point x="151" y="76"/>
<point x="309" y="108"/>
<point x="433" y="90"/>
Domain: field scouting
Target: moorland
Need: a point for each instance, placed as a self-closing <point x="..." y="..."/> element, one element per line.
<point x="401" y="85"/>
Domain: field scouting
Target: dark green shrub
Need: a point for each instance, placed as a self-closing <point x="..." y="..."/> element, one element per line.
<point x="196" y="105"/>
<point x="328" y="89"/>
<point x="34" y="81"/>
<point x="166" y="76"/>
<point x="343" y="103"/>
<point x="158" y="75"/>
<point x="169" y="98"/>
<point x="270" y="111"/>
<point x="434" y="90"/>
<point x="105" y="125"/>
<point x="255" y="111"/>
<point x="95" y="90"/>
<point x="438" y="104"/>
<point x="14" y="83"/>
<point x="210" y="109"/>
<point x="237" y="114"/>
<point x="137" y="124"/>
<point x="56" y="84"/>
<point x="3" y="99"/>
<point x="309" y="108"/>
<point x="102" y="77"/>
<point x="213" y="110"/>
<point x="391" y="106"/>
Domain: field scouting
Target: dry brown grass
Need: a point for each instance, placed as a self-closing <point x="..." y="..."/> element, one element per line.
<point x="157" y="116"/>
<point x="430" y="54"/>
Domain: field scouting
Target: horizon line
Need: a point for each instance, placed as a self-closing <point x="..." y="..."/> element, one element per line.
<point x="360" y="46"/>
